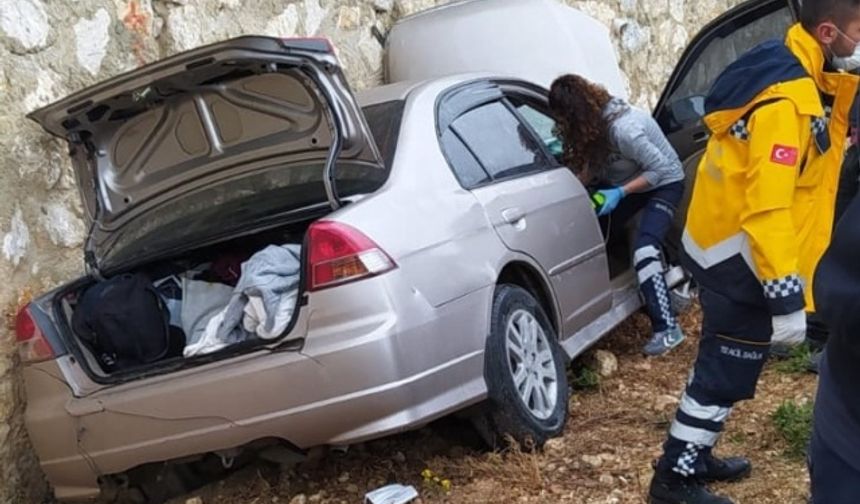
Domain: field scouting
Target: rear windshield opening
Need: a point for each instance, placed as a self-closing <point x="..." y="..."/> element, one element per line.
<point x="384" y="120"/>
<point x="233" y="206"/>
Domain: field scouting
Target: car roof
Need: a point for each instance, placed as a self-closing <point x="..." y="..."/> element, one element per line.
<point x="402" y="90"/>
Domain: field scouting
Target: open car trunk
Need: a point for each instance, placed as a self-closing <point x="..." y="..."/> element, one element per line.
<point x="184" y="327"/>
<point x="192" y="169"/>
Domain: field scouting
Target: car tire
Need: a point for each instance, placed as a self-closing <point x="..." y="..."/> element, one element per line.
<point x="525" y="372"/>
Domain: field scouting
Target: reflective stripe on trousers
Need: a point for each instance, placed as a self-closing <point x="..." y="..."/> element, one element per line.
<point x="658" y="208"/>
<point x="734" y="347"/>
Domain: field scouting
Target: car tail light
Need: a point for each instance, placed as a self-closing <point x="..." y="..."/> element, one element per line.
<point x="32" y="345"/>
<point x="339" y="254"/>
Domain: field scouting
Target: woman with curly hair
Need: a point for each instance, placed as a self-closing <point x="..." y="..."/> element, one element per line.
<point x="620" y="149"/>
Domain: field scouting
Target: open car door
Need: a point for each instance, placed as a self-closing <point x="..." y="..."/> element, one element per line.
<point x="681" y="108"/>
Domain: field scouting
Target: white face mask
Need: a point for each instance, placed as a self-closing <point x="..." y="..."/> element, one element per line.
<point x="847" y="63"/>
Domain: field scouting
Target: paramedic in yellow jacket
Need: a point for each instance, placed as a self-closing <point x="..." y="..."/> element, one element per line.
<point x="759" y="220"/>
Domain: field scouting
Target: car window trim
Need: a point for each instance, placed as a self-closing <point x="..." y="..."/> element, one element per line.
<point x="396" y="129"/>
<point x="471" y="153"/>
<point x="462" y="99"/>
<point x="527" y="169"/>
<point x="548" y="163"/>
<point x="444" y="119"/>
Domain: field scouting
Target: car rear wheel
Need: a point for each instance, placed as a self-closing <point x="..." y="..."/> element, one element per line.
<point x="525" y="373"/>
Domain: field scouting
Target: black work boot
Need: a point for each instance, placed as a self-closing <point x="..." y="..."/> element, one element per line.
<point x="677" y="490"/>
<point x="729" y="469"/>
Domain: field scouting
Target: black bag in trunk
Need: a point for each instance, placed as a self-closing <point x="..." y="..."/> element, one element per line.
<point x="124" y="321"/>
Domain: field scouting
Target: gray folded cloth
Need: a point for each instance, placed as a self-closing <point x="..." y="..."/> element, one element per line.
<point x="271" y="275"/>
<point x="200" y="302"/>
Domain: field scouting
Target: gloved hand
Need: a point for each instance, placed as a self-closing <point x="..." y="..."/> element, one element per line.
<point x="789" y="329"/>
<point x="613" y="197"/>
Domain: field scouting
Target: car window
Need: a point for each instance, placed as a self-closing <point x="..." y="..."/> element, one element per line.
<point x="384" y="122"/>
<point x="543" y="125"/>
<point x="687" y="101"/>
<point x="502" y="144"/>
<point x="466" y="167"/>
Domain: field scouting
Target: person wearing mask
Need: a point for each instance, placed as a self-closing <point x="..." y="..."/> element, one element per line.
<point x="610" y="144"/>
<point x="759" y="220"/>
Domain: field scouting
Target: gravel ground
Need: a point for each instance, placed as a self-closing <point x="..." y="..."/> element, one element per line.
<point x="614" y="433"/>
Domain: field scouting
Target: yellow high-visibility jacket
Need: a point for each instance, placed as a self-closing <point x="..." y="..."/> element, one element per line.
<point x="762" y="207"/>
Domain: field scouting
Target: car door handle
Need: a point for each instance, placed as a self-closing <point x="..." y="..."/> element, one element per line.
<point x="513" y="215"/>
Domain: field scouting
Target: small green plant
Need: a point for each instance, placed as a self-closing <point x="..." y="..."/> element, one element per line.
<point x="797" y="361"/>
<point x="738" y="438"/>
<point x="793" y="421"/>
<point x="586" y="379"/>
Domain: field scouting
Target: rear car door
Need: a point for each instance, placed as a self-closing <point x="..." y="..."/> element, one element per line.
<point x="681" y="108"/>
<point x="536" y="206"/>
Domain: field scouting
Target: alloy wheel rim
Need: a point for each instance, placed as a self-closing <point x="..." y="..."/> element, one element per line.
<point x="531" y="364"/>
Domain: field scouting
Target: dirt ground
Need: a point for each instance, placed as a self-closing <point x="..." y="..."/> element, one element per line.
<point x="615" y="431"/>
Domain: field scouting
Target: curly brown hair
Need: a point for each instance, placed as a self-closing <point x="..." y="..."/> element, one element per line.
<point x="577" y="106"/>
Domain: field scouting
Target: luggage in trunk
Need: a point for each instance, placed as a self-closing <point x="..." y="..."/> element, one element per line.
<point x="231" y="296"/>
<point x="126" y="323"/>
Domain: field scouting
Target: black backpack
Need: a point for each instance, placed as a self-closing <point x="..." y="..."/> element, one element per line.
<point x="124" y="321"/>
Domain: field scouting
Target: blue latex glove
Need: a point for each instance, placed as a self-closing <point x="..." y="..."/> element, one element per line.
<point x="613" y="197"/>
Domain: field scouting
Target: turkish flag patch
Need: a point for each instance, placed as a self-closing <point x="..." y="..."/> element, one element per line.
<point x="784" y="155"/>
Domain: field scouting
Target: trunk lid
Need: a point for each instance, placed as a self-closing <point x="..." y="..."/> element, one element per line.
<point x="209" y="140"/>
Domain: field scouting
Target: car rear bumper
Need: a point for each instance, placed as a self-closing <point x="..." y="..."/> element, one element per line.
<point x="383" y="361"/>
